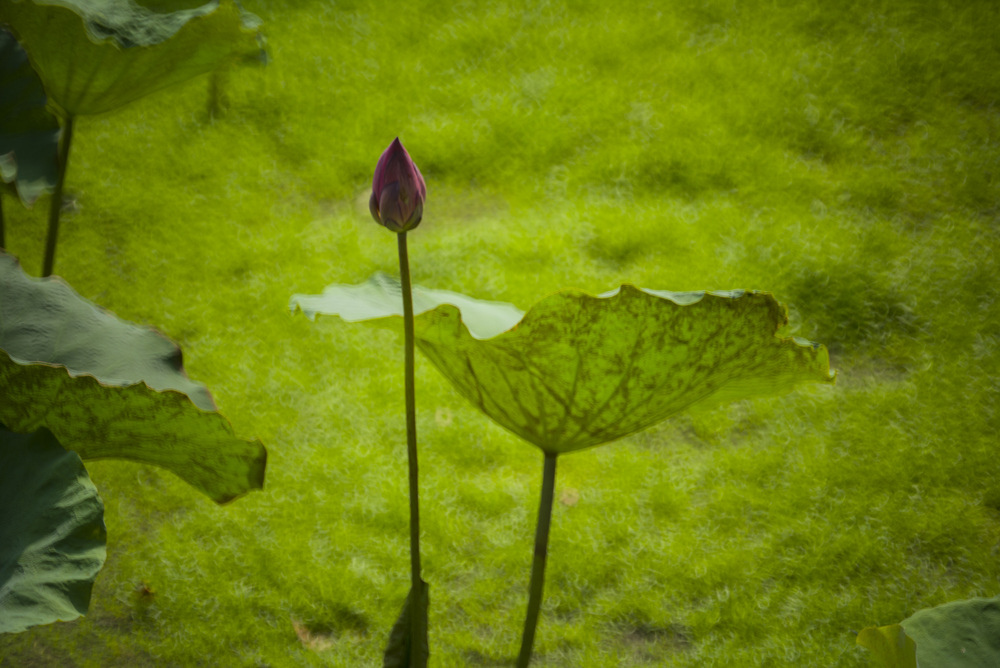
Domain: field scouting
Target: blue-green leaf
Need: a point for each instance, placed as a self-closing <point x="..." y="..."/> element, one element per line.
<point x="961" y="634"/>
<point x="52" y="534"/>
<point x="109" y="388"/>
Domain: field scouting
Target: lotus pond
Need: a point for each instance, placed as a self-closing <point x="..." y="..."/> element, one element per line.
<point x="845" y="159"/>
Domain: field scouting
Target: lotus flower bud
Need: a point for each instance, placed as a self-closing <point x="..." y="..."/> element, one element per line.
<point x="398" y="190"/>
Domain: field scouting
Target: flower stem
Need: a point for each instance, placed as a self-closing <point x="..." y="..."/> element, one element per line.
<point x="418" y="622"/>
<point x="538" y="562"/>
<point x="56" y="206"/>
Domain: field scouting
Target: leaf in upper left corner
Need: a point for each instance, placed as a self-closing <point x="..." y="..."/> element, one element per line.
<point x="97" y="55"/>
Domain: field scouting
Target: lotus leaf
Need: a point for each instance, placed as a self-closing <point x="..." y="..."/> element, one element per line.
<point x="890" y="645"/>
<point x="29" y="134"/>
<point x="52" y="534"/>
<point x="961" y="634"/>
<point x="109" y="388"/>
<point x="96" y="55"/>
<point x="578" y="370"/>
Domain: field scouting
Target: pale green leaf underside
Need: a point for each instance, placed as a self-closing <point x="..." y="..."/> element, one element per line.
<point x="890" y="645"/>
<point x="52" y="535"/>
<point x="108" y="388"/>
<point x="96" y="55"/>
<point x="961" y="634"/>
<point x="579" y="370"/>
<point x="381" y="296"/>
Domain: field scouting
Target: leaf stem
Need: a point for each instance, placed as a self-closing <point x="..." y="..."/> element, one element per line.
<point x="56" y="206"/>
<point x="538" y="562"/>
<point x="418" y="622"/>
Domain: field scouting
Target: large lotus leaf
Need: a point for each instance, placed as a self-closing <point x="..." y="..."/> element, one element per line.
<point x="579" y="370"/>
<point x="890" y="645"/>
<point x="109" y="388"/>
<point x="29" y="133"/>
<point x="961" y="634"/>
<point x="52" y="535"/>
<point x="96" y="55"/>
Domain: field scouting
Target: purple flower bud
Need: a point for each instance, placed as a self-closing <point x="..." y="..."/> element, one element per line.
<point x="398" y="190"/>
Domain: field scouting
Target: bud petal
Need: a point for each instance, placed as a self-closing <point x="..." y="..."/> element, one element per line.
<point x="373" y="207"/>
<point x="398" y="190"/>
<point x="390" y="208"/>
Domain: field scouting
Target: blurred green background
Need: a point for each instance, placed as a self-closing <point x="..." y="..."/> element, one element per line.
<point x="844" y="156"/>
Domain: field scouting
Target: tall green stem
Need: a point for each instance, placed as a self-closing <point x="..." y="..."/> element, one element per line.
<point x="2" y="243"/>
<point x="418" y="622"/>
<point x="56" y="206"/>
<point x="538" y="562"/>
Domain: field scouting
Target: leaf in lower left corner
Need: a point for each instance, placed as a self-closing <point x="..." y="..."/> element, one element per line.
<point x="52" y="534"/>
